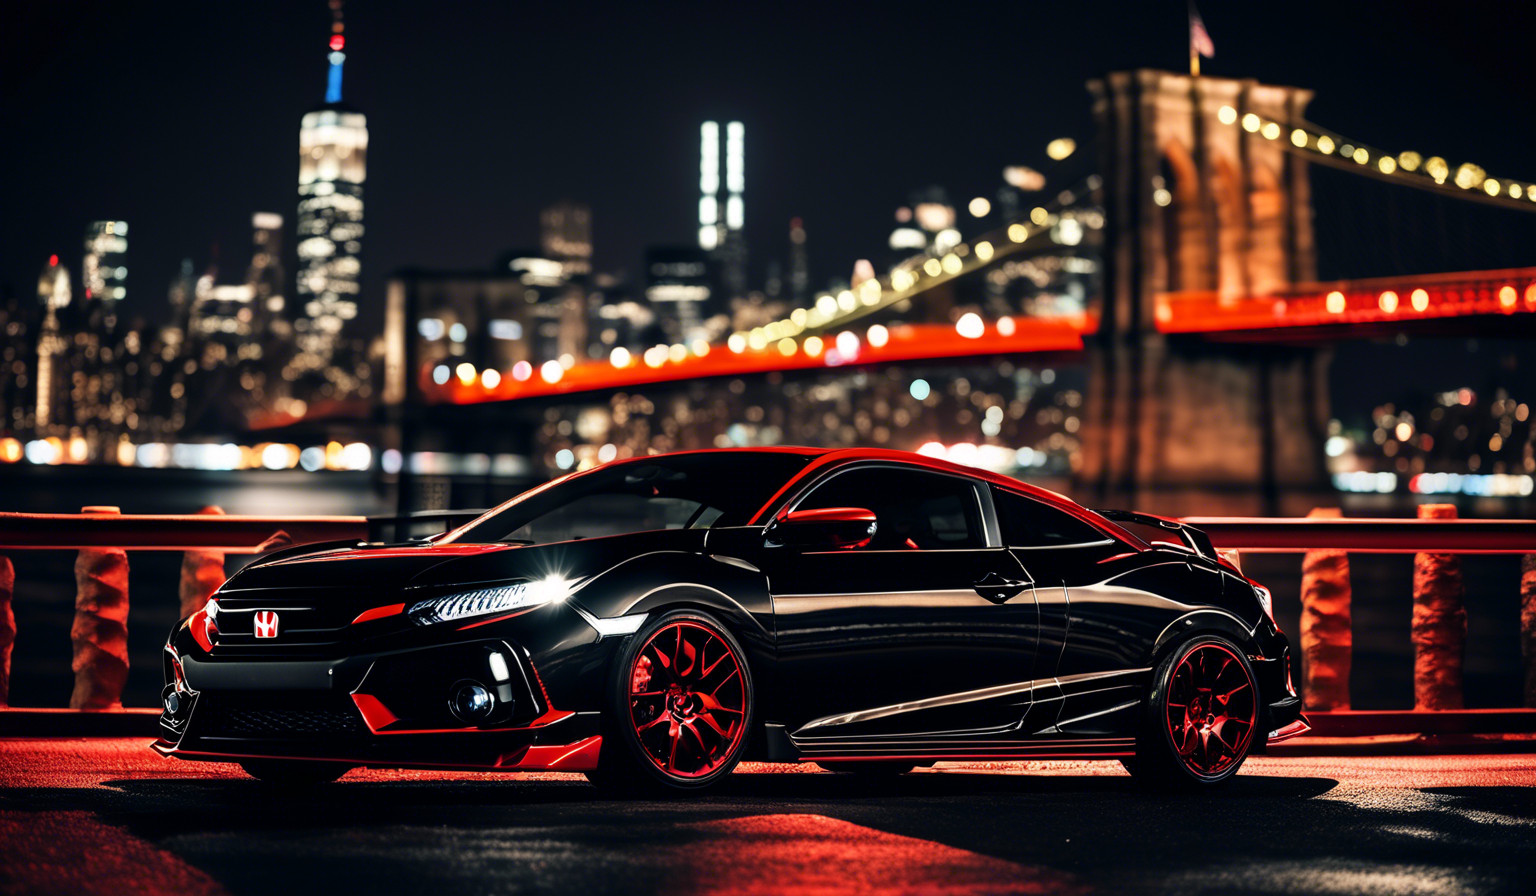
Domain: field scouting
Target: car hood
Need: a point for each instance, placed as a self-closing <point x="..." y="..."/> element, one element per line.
<point x="385" y="568"/>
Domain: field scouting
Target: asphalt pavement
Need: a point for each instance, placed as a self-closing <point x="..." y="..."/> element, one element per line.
<point x="100" y="816"/>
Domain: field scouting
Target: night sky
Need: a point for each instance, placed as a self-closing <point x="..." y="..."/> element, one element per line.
<point x="182" y="119"/>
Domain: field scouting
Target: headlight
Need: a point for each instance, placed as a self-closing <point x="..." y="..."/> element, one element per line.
<point x="500" y="599"/>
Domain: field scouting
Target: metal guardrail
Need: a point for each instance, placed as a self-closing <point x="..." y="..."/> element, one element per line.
<point x="204" y="536"/>
<point x="1369" y="536"/>
<point x="224" y="534"/>
<point x="146" y="532"/>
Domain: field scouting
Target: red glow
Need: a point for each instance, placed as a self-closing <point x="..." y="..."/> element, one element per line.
<point x="338" y="41"/>
<point x="906" y="342"/>
<point x="1306" y="305"/>
<point x="53" y="261"/>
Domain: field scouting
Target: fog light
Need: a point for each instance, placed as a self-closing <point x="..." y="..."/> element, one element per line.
<point x="172" y="703"/>
<point x="471" y="702"/>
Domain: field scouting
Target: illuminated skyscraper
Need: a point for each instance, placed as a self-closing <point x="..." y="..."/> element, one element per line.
<point x="333" y="145"/>
<point x="266" y="272"/>
<point x="565" y="235"/>
<point x="722" y="212"/>
<point x="104" y="268"/>
<point x="52" y="387"/>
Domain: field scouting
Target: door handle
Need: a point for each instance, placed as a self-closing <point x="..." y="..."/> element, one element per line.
<point x="999" y="589"/>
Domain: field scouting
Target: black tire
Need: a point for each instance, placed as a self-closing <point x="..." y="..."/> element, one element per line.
<point x="707" y="709"/>
<point x="294" y="773"/>
<point x="868" y="768"/>
<point x="1201" y="717"/>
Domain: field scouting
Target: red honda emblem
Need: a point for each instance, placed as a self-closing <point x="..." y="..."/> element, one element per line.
<point x="266" y="624"/>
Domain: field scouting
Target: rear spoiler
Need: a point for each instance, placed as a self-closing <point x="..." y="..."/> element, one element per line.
<point x="1193" y="539"/>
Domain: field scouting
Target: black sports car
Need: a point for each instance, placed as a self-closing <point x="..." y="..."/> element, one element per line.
<point x="653" y="621"/>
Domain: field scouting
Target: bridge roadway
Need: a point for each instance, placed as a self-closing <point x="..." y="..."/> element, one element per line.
<point x="107" y="816"/>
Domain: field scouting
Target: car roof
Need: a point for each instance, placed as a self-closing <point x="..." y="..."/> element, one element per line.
<point x="824" y="458"/>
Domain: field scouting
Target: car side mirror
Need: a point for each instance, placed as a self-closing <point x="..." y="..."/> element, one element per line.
<point x="824" y="528"/>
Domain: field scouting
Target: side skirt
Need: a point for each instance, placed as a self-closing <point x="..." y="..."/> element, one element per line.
<point x="951" y="749"/>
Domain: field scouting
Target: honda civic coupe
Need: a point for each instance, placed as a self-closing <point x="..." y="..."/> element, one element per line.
<point x="653" y="621"/>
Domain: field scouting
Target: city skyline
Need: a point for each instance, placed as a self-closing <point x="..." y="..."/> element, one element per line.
<point x="846" y="199"/>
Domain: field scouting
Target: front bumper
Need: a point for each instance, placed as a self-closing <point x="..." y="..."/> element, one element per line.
<point x="386" y="709"/>
<point x="1281" y="713"/>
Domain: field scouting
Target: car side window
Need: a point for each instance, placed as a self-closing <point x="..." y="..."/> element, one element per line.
<point x="1028" y="523"/>
<point x="914" y="510"/>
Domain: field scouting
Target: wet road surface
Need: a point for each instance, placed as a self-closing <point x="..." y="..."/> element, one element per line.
<point x="107" y="816"/>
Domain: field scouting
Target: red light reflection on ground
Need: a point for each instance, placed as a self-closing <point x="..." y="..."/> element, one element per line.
<point x="814" y="854"/>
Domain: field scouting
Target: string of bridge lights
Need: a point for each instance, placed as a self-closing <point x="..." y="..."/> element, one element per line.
<point x="912" y="277"/>
<point x="800" y="331"/>
<point x="1408" y="167"/>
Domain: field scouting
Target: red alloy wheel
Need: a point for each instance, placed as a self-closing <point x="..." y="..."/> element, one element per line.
<point x="687" y="699"/>
<point x="1211" y="710"/>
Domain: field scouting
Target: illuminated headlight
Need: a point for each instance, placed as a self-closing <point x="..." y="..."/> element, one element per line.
<point x="485" y="601"/>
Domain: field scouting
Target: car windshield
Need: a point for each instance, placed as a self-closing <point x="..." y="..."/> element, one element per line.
<point x="680" y="491"/>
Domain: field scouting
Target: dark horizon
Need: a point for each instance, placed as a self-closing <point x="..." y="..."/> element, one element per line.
<point x="182" y="119"/>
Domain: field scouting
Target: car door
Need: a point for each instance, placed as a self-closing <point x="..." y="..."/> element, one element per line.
<point x="896" y="637"/>
<point x="1093" y="635"/>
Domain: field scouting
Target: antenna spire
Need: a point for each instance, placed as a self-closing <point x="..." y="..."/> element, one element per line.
<point x="336" y="57"/>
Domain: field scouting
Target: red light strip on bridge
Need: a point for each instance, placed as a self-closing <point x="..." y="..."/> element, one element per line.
<point x="906" y="342"/>
<point x="1358" y="302"/>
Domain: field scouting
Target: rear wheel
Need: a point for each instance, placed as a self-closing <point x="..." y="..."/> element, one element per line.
<point x="294" y="773"/>
<point x="680" y="707"/>
<point x="1201" y="717"/>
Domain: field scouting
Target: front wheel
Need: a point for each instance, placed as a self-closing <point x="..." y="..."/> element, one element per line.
<point x="294" y="773"/>
<point x="681" y="706"/>
<point x="1201" y="716"/>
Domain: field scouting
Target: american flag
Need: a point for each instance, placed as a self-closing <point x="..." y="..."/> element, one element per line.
<point x="1199" y="39"/>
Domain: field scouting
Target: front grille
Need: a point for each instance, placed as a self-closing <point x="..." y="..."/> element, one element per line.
<point x="237" y="721"/>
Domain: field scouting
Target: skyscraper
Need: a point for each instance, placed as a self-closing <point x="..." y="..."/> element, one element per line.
<point x="565" y="235"/>
<point x="333" y="145"/>
<point x="720" y="230"/>
<point x="266" y="272"/>
<point x="52" y="383"/>
<point x="104" y="268"/>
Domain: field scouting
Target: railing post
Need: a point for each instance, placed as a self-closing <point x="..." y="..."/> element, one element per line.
<point x="202" y="572"/>
<point x="1528" y="625"/>
<point x="1327" y="638"/>
<point x="100" y="630"/>
<point x="1439" y="623"/>
<point x="7" y="627"/>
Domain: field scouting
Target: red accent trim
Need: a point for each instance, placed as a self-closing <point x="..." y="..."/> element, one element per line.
<point x="1295" y="729"/>
<point x="498" y="618"/>
<point x="578" y="757"/>
<point x="377" y="717"/>
<point x="169" y="750"/>
<point x="962" y="757"/>
<point x="199" y="624"/>
<point x="375" y="714"/>
<point x="178" y="674"/>
<point x="1118" y="557"/>
<point x="379" y="613"/>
